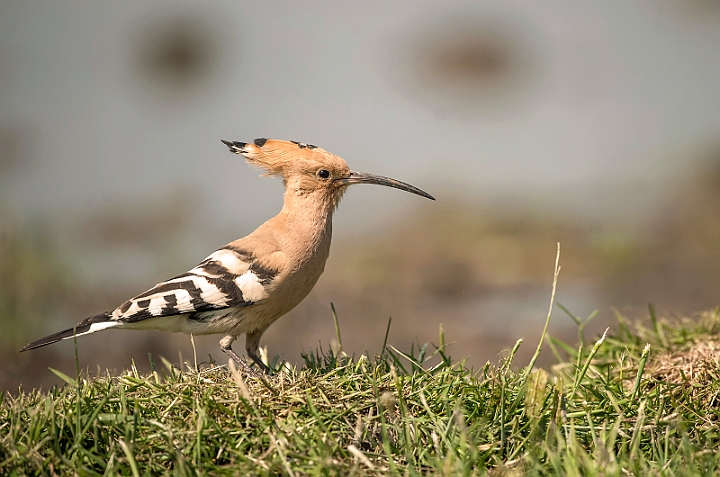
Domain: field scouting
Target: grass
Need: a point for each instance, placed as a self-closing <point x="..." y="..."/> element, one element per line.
<point x="642" y="400"/>
<point x="608" y="409"/>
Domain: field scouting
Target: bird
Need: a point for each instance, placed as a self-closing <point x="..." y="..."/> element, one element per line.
<point x="245" y="286"/>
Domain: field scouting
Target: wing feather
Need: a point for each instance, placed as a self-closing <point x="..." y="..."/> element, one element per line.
<point x="230" y="277"/>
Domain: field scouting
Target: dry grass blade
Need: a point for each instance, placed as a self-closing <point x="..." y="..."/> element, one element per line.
<point x="360" y="456"/>
<point x="237" y="376"/>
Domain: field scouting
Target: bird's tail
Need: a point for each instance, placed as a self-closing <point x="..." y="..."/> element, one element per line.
<point x="95" y="323"/>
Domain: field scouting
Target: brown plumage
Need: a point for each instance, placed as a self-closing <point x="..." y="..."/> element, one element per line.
<point x="249" y="283"/>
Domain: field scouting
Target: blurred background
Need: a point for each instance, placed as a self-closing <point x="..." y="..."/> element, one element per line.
<point x="593" y="124"/>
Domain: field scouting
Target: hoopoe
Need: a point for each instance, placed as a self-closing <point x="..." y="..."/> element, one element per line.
<point x="249" y="283"/>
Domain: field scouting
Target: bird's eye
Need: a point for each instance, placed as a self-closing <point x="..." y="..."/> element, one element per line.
<point x="323" y="173"/>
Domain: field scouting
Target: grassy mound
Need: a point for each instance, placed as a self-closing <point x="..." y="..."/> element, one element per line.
<point x="640" y="401"/>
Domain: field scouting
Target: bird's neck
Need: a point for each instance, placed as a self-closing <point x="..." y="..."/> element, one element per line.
<point x="308" y="220"/>
<point x="312" y="208"/>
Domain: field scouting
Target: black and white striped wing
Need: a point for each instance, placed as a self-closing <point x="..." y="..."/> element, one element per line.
<point x="230" y="277"/>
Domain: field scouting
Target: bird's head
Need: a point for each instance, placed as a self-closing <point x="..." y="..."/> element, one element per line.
<point x="308" y="169"/>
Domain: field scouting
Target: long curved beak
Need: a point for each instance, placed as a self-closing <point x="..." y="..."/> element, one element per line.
<point x="363" y="178"/>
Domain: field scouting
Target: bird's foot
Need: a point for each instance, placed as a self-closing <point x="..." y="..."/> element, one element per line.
<point x="263" y="367"/>
<point x="244" y="367"/>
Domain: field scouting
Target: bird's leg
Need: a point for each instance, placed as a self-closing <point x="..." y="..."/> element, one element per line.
<point x="252" y="344"/>
<point x="226" y="347"/>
